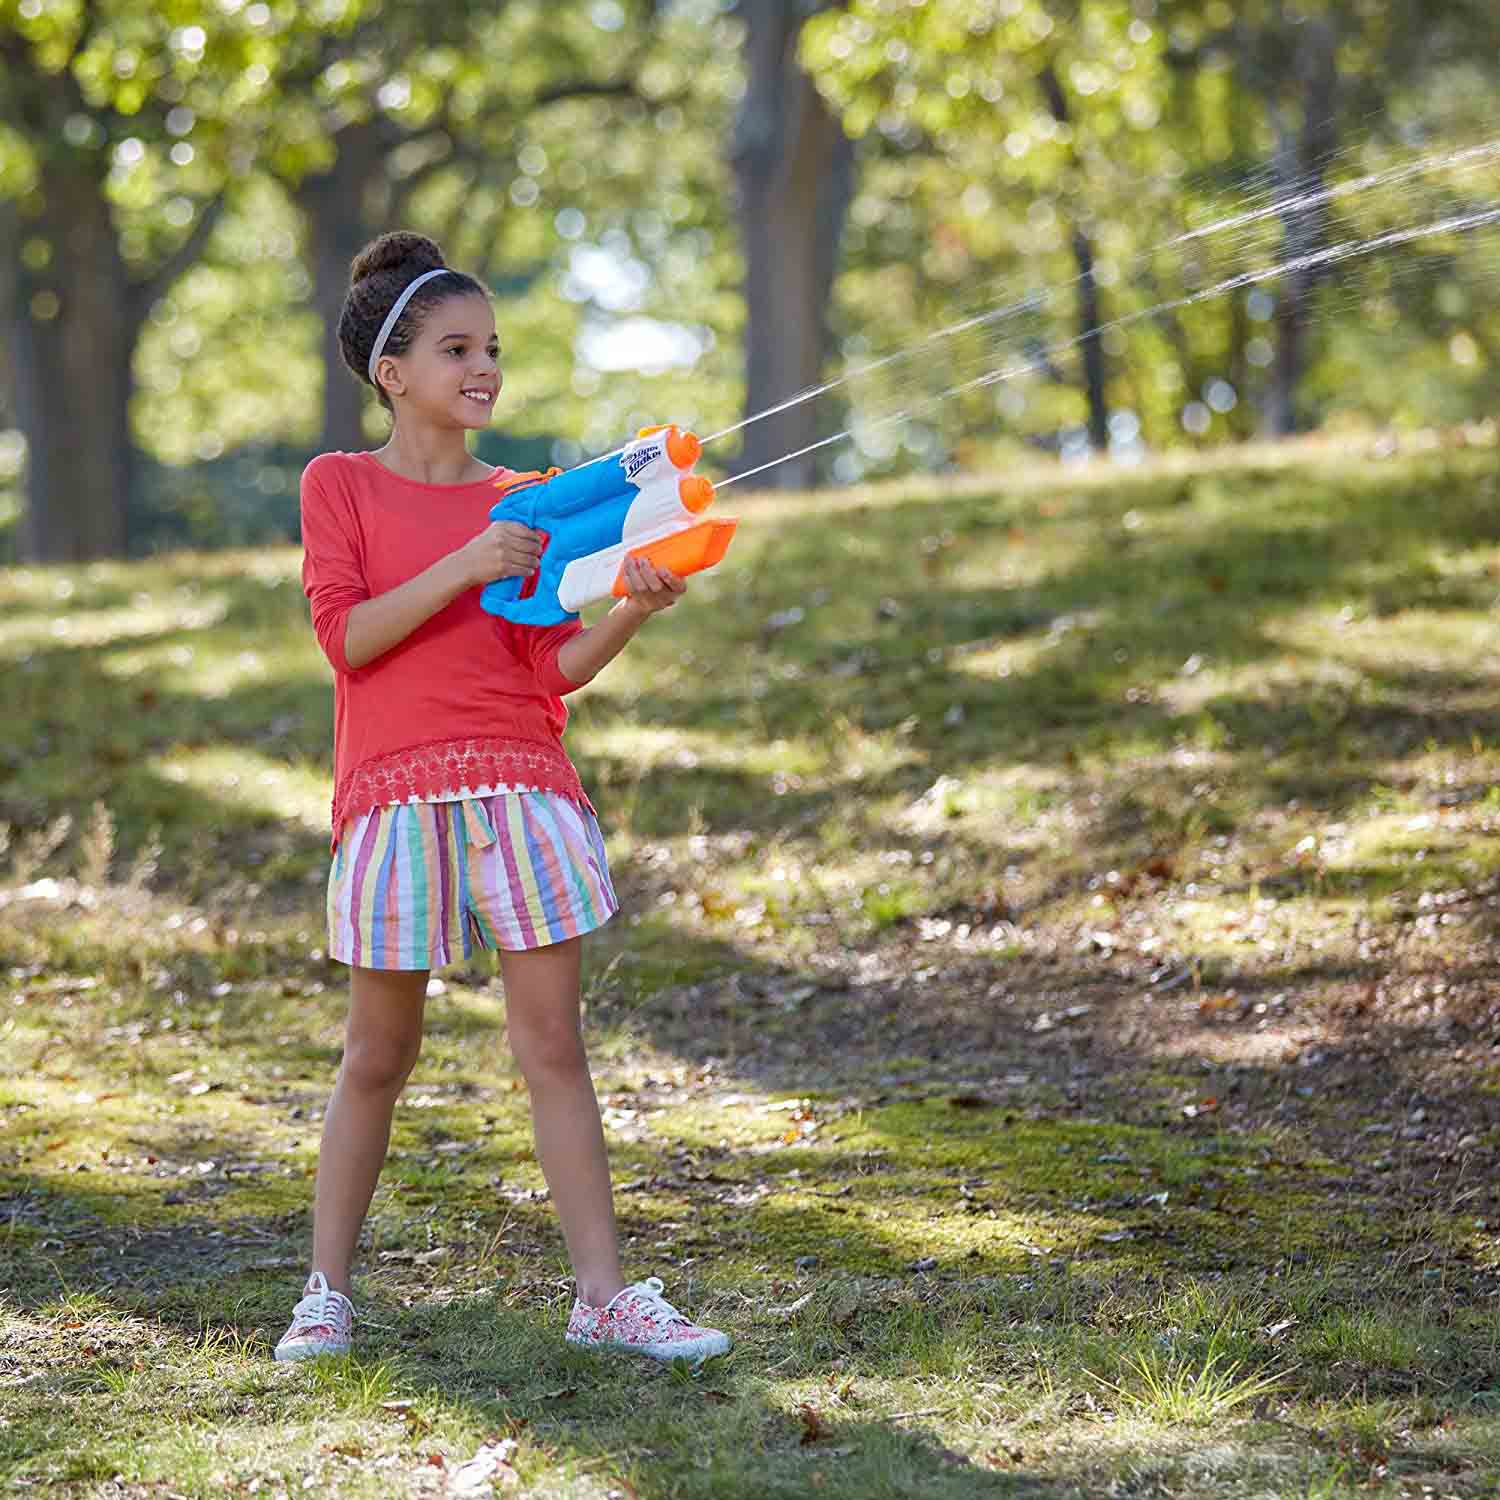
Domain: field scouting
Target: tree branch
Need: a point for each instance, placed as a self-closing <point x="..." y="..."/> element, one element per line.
<point x="145" y="292"/>
<point x="585" y="88"/>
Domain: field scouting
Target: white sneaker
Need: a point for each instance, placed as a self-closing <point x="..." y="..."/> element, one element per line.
<point x="322" y="1323"/>
<point x="640" y="1320"/>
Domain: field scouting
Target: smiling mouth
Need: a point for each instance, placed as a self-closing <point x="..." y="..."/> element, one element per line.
<point x="479" y="395"/>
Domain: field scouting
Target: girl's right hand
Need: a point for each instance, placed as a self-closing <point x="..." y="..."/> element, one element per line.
<point x="504" y="549"/>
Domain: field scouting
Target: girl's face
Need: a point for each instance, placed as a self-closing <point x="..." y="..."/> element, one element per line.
<point x="450" y="374"/>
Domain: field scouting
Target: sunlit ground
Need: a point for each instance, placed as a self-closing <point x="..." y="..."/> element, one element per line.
<point x="1051" y="1025"/>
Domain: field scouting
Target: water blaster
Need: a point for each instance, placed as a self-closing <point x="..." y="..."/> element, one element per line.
<point x="643" y="501"/>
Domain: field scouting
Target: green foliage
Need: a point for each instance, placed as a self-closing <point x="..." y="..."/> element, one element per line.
<point x="994" y="134"/>
<point x="573" y="155"/>
<point x="228" y="358"/>
<point x="1174" y="1390"/>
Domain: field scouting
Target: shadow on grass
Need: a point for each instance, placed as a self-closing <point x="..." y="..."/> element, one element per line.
<point x="495" y="1359"/>
<point x="1218" y="561"/>
<point x="1080" y="1152"/>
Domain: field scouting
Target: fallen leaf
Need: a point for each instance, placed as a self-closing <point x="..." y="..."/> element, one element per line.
<point x="812" y="1424"/>
<point x="792" y="1307"/>
<point x="489" y="1465"/>
<point x="1210" y="1004"/>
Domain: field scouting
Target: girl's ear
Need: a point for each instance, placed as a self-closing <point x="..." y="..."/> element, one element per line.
<point x="388" y="376"/>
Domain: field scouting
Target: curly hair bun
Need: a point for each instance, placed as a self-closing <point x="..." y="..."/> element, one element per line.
<point x="401" y="250"/>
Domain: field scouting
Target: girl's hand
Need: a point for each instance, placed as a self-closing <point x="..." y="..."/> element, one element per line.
<point x="649" y="588"/>
<point x="504" y="549"/>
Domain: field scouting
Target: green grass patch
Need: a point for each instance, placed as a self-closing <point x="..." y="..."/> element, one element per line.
<point x="1001" y="861"/>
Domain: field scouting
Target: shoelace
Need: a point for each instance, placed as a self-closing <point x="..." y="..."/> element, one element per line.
<point x="649" y="1292"/>
<point x="319" y="1308"/>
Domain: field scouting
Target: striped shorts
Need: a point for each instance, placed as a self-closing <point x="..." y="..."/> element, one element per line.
<point x="417" y="885"/>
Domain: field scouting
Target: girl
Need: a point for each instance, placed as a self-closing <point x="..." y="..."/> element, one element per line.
<point x="458" y="818"/>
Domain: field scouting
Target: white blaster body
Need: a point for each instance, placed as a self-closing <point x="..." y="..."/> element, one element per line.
<point x="669" y="499"/>
<point x="642" y="501"/>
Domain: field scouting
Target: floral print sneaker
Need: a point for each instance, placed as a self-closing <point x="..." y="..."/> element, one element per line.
<point x="640" y="1320"/>
<point x="322" y="1323"/>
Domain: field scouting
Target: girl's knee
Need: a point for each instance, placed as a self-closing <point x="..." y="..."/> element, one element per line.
<point x="551" y="1044"/>
<point x="379" y="1064"/>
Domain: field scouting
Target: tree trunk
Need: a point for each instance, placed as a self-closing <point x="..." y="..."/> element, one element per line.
<point x="10" y="234"/>
<point x="794" y="169"/>
<point x="1090" y="319"/>
<point x="339" y="208"/>
<point x="74" y="327"/>
<point x="1301" y="158"/>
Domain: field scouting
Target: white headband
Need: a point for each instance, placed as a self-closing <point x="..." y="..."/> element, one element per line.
<point x="394" y="313"/>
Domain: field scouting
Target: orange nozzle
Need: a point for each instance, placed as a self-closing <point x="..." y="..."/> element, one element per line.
<point x="647" y="431"/>
<point x="695" y="492"/>
<point x="684" y="448"/>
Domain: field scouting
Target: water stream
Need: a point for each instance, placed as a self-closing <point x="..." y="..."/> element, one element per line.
<point x="997" y="322"/>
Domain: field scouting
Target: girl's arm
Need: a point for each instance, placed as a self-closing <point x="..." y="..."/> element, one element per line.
<point x="503" y="549"/>
<point x="651" y="589"/>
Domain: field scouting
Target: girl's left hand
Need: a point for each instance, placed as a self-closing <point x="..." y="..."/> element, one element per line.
<point x="649" y="588"/>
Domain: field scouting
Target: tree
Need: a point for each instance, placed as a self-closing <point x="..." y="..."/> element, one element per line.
<point x="1103" y="154"/>
<point x="1090" y="317"/>
<point x="793" y="167"/>
<point x="1029" y="101"/>
<point x="412" y="95"/>
<point x="125" y="130"/>
<point x="1318" y="72"/>
<point x="114" y="161"/>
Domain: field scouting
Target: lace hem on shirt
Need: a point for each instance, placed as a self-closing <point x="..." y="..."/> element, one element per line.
<point x="420" y="771"/>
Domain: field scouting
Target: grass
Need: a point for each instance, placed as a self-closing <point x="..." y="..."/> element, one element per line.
<point x="1052" y="1024"/>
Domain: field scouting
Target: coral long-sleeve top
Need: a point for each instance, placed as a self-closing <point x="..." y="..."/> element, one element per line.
<point x="467" y="700"/>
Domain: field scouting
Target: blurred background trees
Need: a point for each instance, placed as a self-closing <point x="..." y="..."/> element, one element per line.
<point x="692" y="209"/>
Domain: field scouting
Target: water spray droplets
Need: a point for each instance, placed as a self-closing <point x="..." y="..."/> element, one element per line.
<point x="1011" y="340"/>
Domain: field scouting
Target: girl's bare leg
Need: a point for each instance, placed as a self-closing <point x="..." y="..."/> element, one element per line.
<point x="542" y="1015"/>
<point x="381" y="1044"/>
